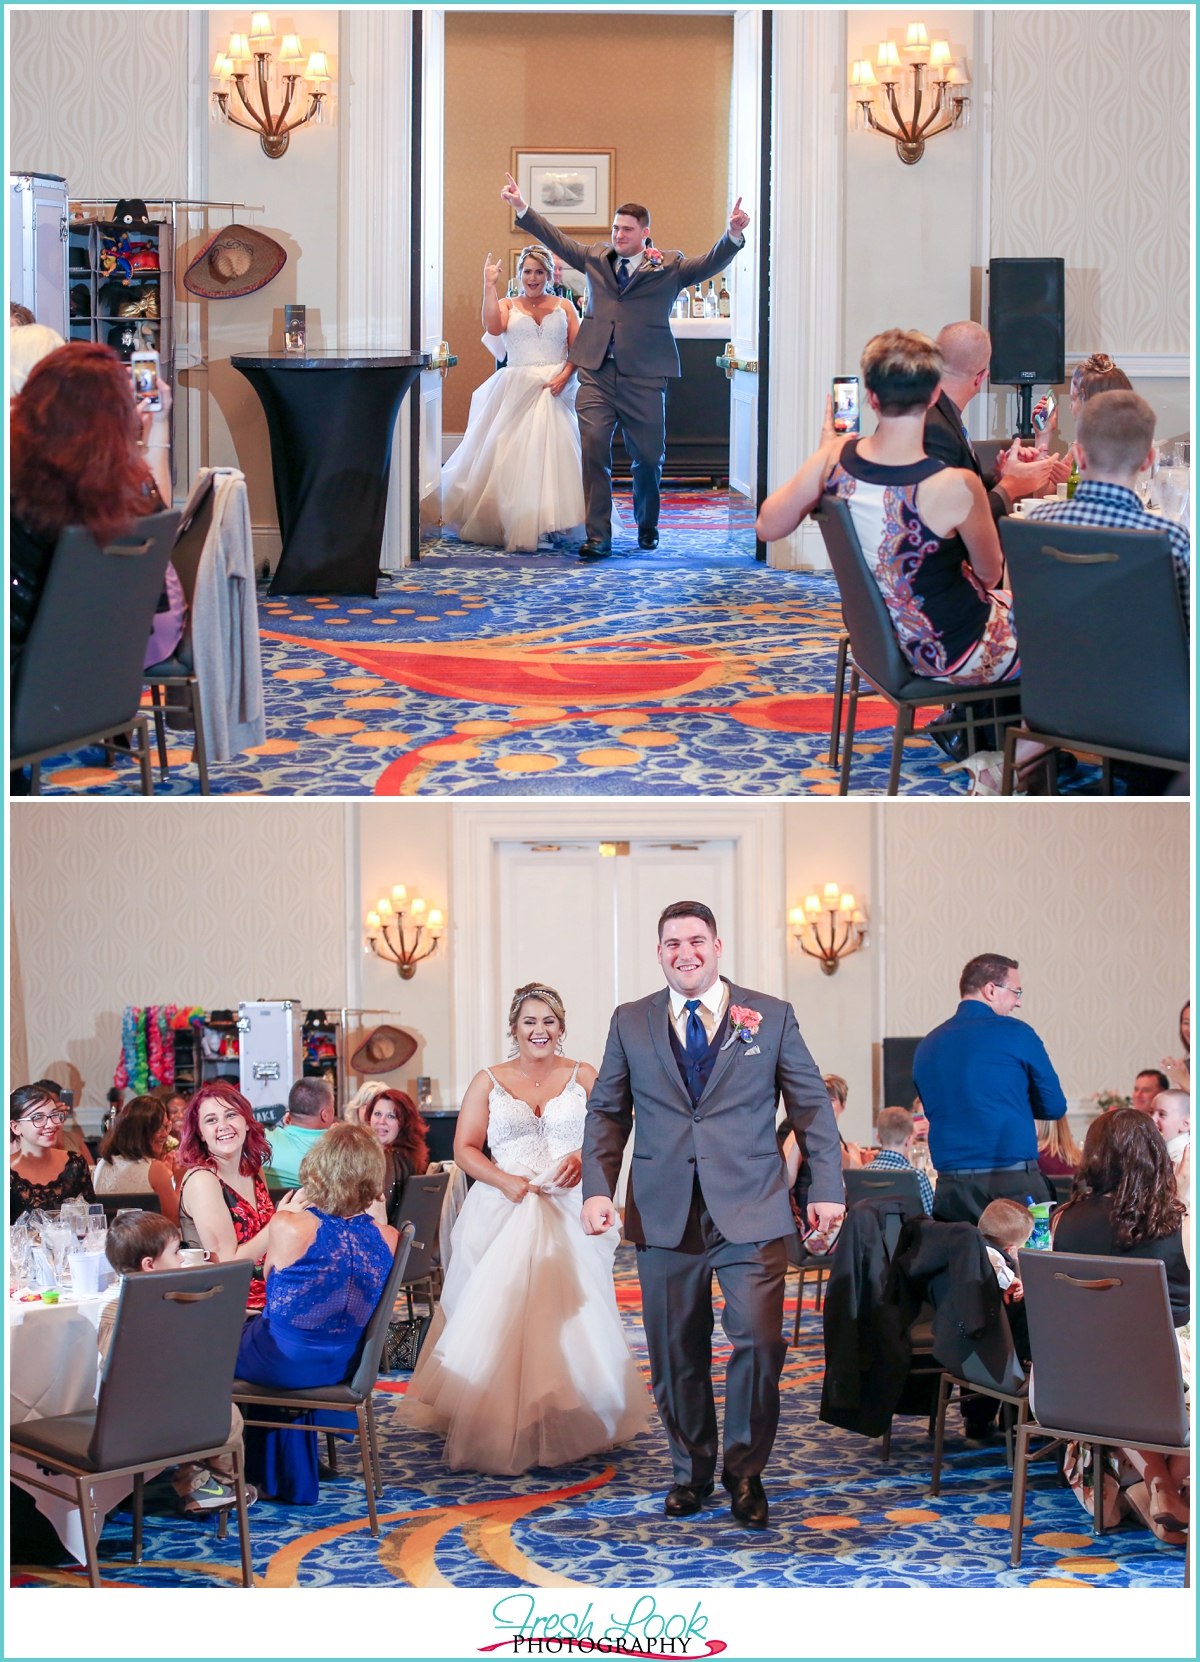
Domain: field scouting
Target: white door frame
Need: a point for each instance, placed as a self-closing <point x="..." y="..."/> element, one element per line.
<point x="755" y="828"/>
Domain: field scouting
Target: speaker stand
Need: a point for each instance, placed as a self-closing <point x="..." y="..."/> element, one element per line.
<point x="1025" y="418"/>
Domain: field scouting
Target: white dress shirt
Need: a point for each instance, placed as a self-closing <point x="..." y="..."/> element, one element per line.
<point x="634" y="260"/>
<point x="712" y="1009"/>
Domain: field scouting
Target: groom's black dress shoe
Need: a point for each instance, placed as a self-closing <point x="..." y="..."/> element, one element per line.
<point x="595" y="549"/>
<point x="686" y="1499"/>
<point x="747" y="1501"/>
<point x="647" y="536"/>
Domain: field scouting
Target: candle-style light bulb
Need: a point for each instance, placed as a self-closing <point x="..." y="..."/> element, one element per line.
<point x="399" y="895"/>
<point x="239" y="49"/>
<point x="858" y="916"/>
<point x="372" y="920"/>
<point x="848" y="903"/>
<point x="812" y="905"/>
<point x="832" y="891"/>
<point x="417" y="907"/>
<point x="317" y="68"/>
<point x="291" y="52"/>
<point x="436" y="922"/>
<point x="384" y="907"/>
<point x="939" y="54"/>
<point x="261" y="32"/>
<point x="796" y="917"/>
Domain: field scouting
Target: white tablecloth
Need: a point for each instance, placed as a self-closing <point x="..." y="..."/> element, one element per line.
<point x="54" y="1368"/>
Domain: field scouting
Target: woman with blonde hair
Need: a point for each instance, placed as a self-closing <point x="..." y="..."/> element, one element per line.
<point x="1058" y="1152"/>
<point x="527" y="1363"/>
<point x="326" y="1266"/>
<point x="516" y="479"/>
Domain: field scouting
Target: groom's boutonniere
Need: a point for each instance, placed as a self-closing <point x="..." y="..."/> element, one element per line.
<point x="743" y="1024"/>
<point x="652" y="256"/>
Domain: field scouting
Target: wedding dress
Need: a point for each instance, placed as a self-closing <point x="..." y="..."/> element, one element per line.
<point x="517" y="476"/>
<point x="526" y="1363"/>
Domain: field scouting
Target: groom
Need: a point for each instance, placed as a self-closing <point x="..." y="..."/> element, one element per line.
<point x="625" y="352"/>
<point x="703" y="1064"/>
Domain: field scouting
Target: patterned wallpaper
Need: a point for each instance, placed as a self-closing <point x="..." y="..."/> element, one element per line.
<point x="130" y="64"/>
<point x="201" y="903"/>
<point x="1090" y="898"/>
<point x="1090" y="162"/>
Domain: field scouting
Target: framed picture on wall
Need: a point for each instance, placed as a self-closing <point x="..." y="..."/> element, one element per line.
<point x="573" y="189"/>
<point x="573" y="279"/>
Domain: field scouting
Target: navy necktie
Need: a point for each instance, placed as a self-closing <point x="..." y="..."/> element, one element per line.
<point x="697" y="1038"/>
<point x="622" y="279"/>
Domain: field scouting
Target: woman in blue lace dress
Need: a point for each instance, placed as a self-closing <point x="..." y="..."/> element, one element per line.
<point x="326" y="1267"/>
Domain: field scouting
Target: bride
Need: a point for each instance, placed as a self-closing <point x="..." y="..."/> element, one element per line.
<point x="526" y="1363"/>
<point x="516" y="478"/>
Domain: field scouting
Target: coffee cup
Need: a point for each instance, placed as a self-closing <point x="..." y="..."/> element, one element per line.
<point x="193" y="1257"/>
<point x="85" y="1272"/>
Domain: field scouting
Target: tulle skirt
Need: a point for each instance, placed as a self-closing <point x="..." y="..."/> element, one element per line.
<point x="526" y="1363"/>
<point x="517" y="476"/>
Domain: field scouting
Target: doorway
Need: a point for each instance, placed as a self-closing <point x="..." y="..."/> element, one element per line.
<point x="702" y="139"/>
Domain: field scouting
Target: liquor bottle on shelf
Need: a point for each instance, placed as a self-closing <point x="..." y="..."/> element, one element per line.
<point x="698" y="303"/>
<point x="723" y="301"/>
<point x="711" y="307"/>
<point x="683" y="305"/>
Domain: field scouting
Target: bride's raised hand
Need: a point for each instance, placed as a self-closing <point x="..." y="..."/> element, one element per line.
<point x="569" y="1172"/>
<point x="491" y="273"/>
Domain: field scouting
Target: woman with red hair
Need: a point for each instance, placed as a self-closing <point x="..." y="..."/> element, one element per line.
<point x="394" y="1119"/>
<point x="224" y="1206"/>
<point x="78" y="458"/>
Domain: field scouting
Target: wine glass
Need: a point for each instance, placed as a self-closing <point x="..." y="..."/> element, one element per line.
<point x="97" y="1229"/>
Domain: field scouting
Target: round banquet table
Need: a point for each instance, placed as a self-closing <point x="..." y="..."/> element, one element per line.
<point x="54" y="1368"/>
<point x="331" y="421"/>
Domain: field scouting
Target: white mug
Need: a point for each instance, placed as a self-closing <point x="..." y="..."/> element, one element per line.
<point x="85" y="1272"/>
<point x="193" y="1257"/>
<point x="1060" y="490"/>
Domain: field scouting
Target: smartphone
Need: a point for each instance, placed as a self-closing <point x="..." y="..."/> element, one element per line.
<point x="845" y="404"/>
<point x="1044" y="409"/>
<point x="145" y="378"/>
<point x="67" y="1098"/>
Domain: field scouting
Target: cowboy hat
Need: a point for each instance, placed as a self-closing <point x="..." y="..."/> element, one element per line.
<point x="383" y="1049"/>
<point x="233" y="262"/>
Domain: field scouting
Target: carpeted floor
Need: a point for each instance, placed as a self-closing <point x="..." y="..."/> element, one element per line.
<point x="839" y="1518"/>
<point x="690" y="670"/>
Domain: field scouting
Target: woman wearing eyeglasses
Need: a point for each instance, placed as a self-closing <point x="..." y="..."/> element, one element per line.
<point x="40" y="1173"/>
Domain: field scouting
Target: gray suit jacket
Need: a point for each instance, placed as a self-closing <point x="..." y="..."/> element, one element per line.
<point x="728" y="1140"/>
<point x="637" y="320"/>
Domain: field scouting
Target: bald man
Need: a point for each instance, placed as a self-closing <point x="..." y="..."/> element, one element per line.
<point x="966" y="352"/>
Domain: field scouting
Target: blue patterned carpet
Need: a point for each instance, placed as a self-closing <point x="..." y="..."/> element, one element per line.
<point x="839" y="1518"/>
<point x="690" y="670"/>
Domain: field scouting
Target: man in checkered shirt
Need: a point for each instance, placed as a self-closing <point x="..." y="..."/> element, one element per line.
<point x="894" y="1129"/>
<point x="1115" y="441"/>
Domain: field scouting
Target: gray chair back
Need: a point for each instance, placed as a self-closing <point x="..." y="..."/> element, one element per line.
<point x="168" y="1376"/>
<point x="1105" y="1358"/>
<point x="362" y="1381"/>
<point x="81" y="669"/>
<point x="1085" y="672"/>
<point x="114" y="1203"/>
<point x="872" y="637"/>
<point x="868" y="1184"/>
<point x="421" y="1205"/>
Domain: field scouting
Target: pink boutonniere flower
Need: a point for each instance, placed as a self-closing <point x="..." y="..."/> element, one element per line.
<point x="743" y="1023"/>
<point x="652" y="257"/>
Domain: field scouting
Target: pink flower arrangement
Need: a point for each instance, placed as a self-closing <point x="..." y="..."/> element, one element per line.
<point x="743" y="1023"/>
<point x="652" y="256"/>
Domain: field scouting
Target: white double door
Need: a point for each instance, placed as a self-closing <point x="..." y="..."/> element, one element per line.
<point x="586" y="923"/>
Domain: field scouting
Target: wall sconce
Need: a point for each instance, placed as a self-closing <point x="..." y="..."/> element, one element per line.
<point x="829" y="928"/>
<point x="403" y="931"/>
<point x="874" y="92"/>
<point x="310" y="84"/>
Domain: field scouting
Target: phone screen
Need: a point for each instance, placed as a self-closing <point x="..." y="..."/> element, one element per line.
<point x="1044" y="409"/>
<point x="845" y="403"/>
<point x="145" y="378"/>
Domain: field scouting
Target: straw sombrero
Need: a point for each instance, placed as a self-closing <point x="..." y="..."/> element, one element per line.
<point x="233" y="262"/>
<point x="383" y="1049"/>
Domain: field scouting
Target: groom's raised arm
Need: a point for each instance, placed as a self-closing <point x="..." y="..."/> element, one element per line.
<point x="810" y="1114"/>
<point x="609" y="1120"/>
<point x="717" y="259"/>
<point x="574" y="253"/>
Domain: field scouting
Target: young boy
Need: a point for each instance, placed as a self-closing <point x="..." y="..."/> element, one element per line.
<point x="139" y="1244"/>
<point x="895" y="1132"/>
<point x="1006" y="1225"/>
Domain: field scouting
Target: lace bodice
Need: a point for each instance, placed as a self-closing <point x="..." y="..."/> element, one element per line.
<point x="519" y="1137"/>
<point x="336" y="1284"/>
<point x="529" y="345"/>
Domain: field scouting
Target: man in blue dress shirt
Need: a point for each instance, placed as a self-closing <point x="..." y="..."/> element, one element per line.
<point x="983" y="1080"/>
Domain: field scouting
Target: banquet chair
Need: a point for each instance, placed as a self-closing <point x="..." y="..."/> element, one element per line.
<point x="353" y="1394"/>
<point x="865" y="1183"/>
<point x="975" y="1379"/>
<point x="874" y="656"/>
<point x="1089" y="680"/>
<point x="164" y="1398"/>
<point x="178" y="671"/>
<point x="421" y="1205"/>
<point x="1105" y="1364"/>
<point x="148" y="1202"/>
<point x="806" y="1264"/>
<point x="79" y="681"/>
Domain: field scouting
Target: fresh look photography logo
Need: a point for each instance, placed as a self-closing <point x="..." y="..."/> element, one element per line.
<point x="645" y="1629"/>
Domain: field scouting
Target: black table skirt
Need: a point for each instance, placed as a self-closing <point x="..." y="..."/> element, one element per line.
<point x="331" y="449"/>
